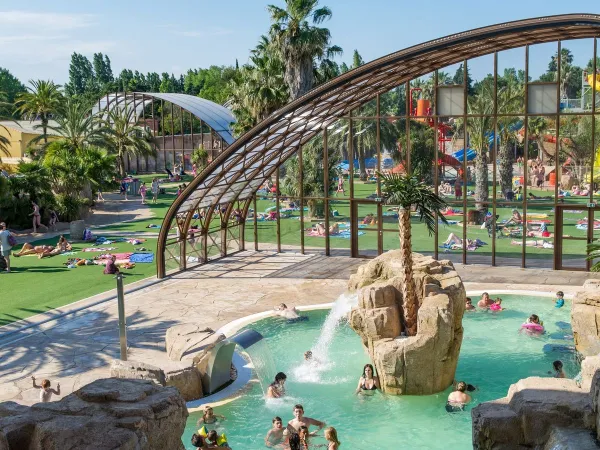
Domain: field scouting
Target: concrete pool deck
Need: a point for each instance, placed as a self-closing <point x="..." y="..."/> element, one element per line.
<point x="75" y="349"/>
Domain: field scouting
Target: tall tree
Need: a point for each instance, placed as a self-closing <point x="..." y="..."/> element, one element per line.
<point x="11" y="87"/>
<point x="123" y="137"/>
<point x="82" y="79"/>
<point x="299" y="42"/>
<point x="408" y="192"/>
<point x="103" y="69"/>
<point x="459" y="77"/>
<point x="42" y="99"/>
<point x="76" y="126"/>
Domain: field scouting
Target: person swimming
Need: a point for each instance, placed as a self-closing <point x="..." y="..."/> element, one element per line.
<point x="275" y="435"/>
<point x="458" y="399"/>
<point x="558" y="369"/>
<point x="469" y="305"/>
<point x="497" y="305"/>
<point x="560" y="299"/>
<point x="368" y="382"/>
<point x="209" y="417"/>
<point x="276" y="388"/>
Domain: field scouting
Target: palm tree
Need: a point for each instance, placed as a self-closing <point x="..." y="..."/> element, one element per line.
<point x="538" y="128"/>
<point x="76" y="125"/>
<point x="123" y="137"/>
<point x="510" y="98"/>
<point x="4" y="141"/>
<point x="300" y="43"/>
<point x="41" y="101"/>
<point x="407" y="192"/>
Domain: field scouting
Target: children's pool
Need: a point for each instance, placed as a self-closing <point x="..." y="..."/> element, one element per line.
<point x="493" y="356"/>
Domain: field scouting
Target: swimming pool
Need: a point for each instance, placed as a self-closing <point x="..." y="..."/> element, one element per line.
<point x="493" y="356"/>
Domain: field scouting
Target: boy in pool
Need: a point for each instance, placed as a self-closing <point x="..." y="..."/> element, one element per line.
<point x="469" y="305"/>
<point x="558" y="370"/>
<point x="560" y="299"/>
<point x="275" y="435"/>
<point x="300" y="420"/>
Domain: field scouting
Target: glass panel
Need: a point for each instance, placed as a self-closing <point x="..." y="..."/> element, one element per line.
<point x="574" y="239"/>
<point x="542" y="62"/>
<point x="509" y="229"/>
<point x="393" y="145"/>
<point x="451" y="100"/>
<point x="540" y="234"/>
<point x="511" y="81"/>
<point x="541" y="155"/>
<point x="510" y="158"/>
<point x="393" y="102"/>
<point x="576" y="153"/>
<point x="337" y="154"/>
<point x="291" y="227"/>
<point x="365" y="160"/>
<point x="369" y="109"/>
<point x="577" y="58"/>
<point x="367" y="243"/>
<point x="422" y="95"/>
<point x="481" y="71"/>
<point x="340" y="215"/>
<point x="542" y="99"/>
<point x="422" y="148"/>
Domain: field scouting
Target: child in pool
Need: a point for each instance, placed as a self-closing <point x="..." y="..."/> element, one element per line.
<point x="275" y="436"/>
<point x="560" y="299"/>
<point x="303" y="433"/>
<point x="332" y="439"/>
<point x="469" y="305"/>
<point x="497" y="305"/>
<point x="209" y="416"/>
<point x="534" y="319"/>
<point x="558" y="370"/>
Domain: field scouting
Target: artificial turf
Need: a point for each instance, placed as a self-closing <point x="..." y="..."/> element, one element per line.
<point x="36" y="285"/>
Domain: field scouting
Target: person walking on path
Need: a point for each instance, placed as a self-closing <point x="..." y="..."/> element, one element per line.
<point x="5" y="245"/>
<point x="154" y="188"/>
<point x="37" y="217"/>
<point x="143" y="191"/>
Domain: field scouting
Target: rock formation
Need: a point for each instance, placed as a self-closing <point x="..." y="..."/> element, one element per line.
<point x="108" y="414"/>
<point x="585" y="319"/>
<point x="417" y="365"/>
<point x="188" y="346"/>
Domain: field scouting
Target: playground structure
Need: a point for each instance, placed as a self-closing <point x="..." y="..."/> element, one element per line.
<point x="422" y="113"/>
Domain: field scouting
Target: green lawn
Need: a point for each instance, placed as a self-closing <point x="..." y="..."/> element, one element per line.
<point x="39" y="285"/>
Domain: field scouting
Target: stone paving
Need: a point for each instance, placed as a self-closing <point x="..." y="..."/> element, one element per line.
<point x="77" y="349"/>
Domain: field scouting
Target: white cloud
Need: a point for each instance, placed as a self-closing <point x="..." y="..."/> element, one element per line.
<point x="44" y="20"/>
<point x="211" y="31"/>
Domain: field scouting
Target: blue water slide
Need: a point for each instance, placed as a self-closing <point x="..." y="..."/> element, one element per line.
<point x="459" y="155"/>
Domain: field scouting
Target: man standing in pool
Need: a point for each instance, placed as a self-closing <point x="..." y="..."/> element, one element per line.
<point x="485" y="301"/>
<point x="299" y="420"/>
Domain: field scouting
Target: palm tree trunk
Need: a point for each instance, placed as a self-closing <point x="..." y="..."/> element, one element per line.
<point x="121" y="163"/>
<point x="410" y="303"/>
<point x="481" y="183"/>
<point x="299" y="77"/>
<point x="505" y="167"/>
<point x="45" y="130"/>
<point x="362" y="164"/>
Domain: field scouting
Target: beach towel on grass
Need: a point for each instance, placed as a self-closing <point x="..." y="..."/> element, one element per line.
<point x="99" y="249"/>
<point x="142" y="258"/>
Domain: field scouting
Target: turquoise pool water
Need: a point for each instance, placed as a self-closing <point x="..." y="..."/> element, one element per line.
<point x="493" y="356"/>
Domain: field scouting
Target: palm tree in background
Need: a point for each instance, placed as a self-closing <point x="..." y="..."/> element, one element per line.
<point x="42" y="100"/>
<point x="407" y="192"/>
<point x="123" y="137"/>
<point x="300" y="43"/>
<point x="4" y="141"/>
<point x="538" y="128"/>
<point x="76" y="125"/>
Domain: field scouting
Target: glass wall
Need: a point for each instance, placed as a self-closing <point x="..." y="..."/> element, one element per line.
<point x="504" y="138"/>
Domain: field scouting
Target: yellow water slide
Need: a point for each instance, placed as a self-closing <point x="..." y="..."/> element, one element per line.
<point x="590" y="80"/>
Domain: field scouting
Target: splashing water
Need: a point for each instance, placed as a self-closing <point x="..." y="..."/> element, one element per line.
<point x="264" y="365"/>
<point x="310" y="371"/>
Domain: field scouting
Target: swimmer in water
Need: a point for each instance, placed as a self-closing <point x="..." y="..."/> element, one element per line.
<point x="469" y="305"/>
<point x="275" y="436"/>
<point x="485" y="301"/>
<point x="497" y="305"/>
<point x="209" y="416"/>
<point x="560" y="299"/>
<point x="558" y="370"/>
<point x="287" y="313"/>
<point x="368" y="382"/>
<point x="276" y="388"/>
<point x="458" y="399"/>
<point x="300" y="420"/>
<point x="303" y="434"/>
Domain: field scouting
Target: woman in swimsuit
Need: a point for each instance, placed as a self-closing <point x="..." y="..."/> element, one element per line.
<point x="209" y="417"/>
<point x="368" y="382"/>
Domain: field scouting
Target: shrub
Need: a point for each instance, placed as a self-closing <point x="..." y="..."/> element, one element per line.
<point x="69" y="207"/>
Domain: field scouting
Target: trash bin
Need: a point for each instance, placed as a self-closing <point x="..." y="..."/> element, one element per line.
<point x="134" y="187"/>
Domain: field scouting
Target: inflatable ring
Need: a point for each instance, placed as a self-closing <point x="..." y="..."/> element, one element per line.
<point x="535" y="327"/>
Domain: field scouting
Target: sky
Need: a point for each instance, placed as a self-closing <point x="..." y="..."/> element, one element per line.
<point x="38" y="37"/>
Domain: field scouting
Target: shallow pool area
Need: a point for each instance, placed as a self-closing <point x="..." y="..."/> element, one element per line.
<point x="493" y="355"/>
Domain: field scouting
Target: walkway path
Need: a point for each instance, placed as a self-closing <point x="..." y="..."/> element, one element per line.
<point x="79" y="348"/>
<point x="113" y="210"/>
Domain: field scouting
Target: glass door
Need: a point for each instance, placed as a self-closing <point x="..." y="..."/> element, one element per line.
<point x="575" y="228"/>
<point x="365" y="227"/>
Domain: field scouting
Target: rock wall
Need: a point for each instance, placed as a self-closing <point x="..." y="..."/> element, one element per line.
<point x="542" y="413"/>
<point x="417" y="365"/>
<point x="108" y="414"/>
<point x="585" y="319"/>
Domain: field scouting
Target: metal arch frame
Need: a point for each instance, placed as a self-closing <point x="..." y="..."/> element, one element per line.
<point x="216" y="117"/>
<point x="303" y="118"/>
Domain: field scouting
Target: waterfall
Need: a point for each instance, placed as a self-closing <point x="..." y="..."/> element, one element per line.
<point x="310" y="371"/>
<point x="264" y="365"/>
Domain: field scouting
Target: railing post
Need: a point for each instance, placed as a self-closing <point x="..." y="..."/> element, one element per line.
<point x="122" y="318"/>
